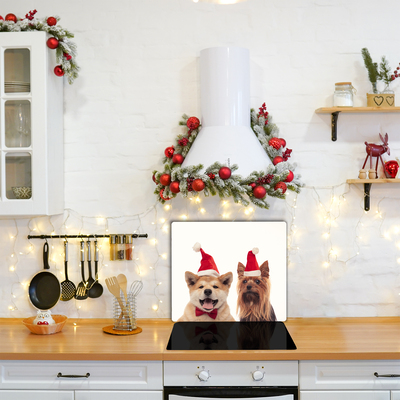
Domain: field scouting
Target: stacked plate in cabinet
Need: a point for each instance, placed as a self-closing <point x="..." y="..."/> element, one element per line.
<point x="16" y="87"/>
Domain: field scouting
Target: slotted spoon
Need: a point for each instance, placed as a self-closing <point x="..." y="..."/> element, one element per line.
<point x="68" y="288"/>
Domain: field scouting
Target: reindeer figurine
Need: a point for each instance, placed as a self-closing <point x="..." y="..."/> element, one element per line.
<point x="376" y="150"/>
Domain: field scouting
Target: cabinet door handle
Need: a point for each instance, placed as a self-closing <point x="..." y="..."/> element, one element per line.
<point x="386" y="376"/>
<point x="60" y="375"/>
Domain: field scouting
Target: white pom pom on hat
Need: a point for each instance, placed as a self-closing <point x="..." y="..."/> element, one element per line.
<point x="197" y="246"/>
<point x="255" y="250"/>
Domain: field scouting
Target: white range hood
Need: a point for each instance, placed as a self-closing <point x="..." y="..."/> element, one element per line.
<point x="226" y="135"/>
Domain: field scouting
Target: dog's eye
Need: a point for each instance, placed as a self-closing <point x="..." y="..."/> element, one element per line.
<point x="257" y="281"/>
<point x="215" y="287"/>
<point x="201" y="287"/>
<point x="245" y="281"/>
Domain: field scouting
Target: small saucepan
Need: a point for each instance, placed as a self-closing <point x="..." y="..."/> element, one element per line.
<point x="45" y="288"/>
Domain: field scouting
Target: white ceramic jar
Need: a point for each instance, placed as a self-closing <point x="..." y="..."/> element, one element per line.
<point x="343" y="95"/>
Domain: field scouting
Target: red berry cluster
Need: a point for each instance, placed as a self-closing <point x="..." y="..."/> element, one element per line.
<point x="30" y="15"/>
<point x="211" y="175"/>
<point x="189" y="184"/>
<point x="396" y="73"/>
<point x="264" y="180"/>
<point x="286" y="154"/>
<point x="263" y="113"/>
<point x="183" y="141"/>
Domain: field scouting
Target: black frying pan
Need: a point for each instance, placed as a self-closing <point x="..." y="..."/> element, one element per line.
<point x="45" y="288"/>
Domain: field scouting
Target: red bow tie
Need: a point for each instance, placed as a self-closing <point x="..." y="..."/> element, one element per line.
<point x="212" y="314"/>
<point x="212" y="328"/>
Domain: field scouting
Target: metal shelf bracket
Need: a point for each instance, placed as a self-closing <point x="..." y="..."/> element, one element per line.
<point x="367" y="190"/>
<point x="335" y="117"/>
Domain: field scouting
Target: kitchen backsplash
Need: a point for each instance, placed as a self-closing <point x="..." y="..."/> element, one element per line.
<point x="139" y="74"/>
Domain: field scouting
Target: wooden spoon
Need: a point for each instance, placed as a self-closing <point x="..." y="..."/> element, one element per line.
<point x="123" y="284"/>
<point x="115" y="289"/>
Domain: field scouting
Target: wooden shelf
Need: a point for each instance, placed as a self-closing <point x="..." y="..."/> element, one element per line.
<point x="367" y="187"/>
<point x="335" y="111"/>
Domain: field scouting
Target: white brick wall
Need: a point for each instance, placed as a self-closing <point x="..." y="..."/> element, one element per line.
<point x="139" y="74"/>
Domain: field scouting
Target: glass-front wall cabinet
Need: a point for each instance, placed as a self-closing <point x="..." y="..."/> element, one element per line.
<point x="31" y="129"/>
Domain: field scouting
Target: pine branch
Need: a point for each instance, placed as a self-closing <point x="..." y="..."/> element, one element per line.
<point x="372" y="67"/>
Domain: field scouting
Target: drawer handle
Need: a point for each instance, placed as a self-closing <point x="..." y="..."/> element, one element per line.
<point x="60" y="375"/>
<point x="386" y="376"/>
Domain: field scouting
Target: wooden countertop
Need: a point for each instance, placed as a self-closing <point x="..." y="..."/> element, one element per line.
<point x="315" y="338"/>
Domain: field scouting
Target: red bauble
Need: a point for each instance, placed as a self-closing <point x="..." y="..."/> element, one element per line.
<point x="67" y="56"/>
<point x="198" y="185"/>
<point x="169" y="151"/>
<point x="253" y="185"/>
<point x="259" y="192"/>
<point x="275" y="143"/>
<point x="391" y="168"/>
<point x="52" y="43"/>
<point x="174" y="187"/>
<point x="177" y="159"/>
<point x="161" y="195"/>
<point x="193" y="123"/>
<point x="283" y="142"/>
<point x="154" y="179"/>
<point x="277" y="160"/>
<point x="165" y="179"/>
<point x="11" y="17"/>
<point x="289" y="177"/>
<point x="225" y="173"/>
<point x="51" y="21"/>
<point x="1" y="18"/>
<point x="58" y="70"/>
<point x="281" y="185"/>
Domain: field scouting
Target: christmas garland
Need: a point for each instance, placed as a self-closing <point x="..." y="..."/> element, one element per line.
<point x="65" y="48"/>
<point x="218" y="178"/>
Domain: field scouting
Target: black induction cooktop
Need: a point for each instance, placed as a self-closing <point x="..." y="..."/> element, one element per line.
<point x="230" y="336"/>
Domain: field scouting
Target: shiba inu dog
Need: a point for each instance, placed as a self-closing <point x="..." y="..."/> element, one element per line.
<point x="208" y="292"/>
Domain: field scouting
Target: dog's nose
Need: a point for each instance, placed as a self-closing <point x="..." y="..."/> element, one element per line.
<point x="248" y="287"/>
<point x="208" y="292"/>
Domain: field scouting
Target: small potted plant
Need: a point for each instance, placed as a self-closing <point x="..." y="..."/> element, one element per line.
<point x="377" y="73"/>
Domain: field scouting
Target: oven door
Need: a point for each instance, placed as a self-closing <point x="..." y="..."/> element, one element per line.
<point x="230" y="393"/>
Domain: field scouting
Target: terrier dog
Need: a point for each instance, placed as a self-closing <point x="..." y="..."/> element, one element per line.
<point x="253" y="302"/>
<point x="208" y="295"/>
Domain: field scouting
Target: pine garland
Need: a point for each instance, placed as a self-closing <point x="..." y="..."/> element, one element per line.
<point x="237" y="187"/>
<point x="65" y="47"/>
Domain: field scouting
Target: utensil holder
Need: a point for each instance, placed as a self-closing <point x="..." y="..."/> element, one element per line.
<point x="125" y="318"/>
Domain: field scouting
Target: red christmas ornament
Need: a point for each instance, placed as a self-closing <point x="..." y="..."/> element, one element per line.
<point x="11" y="17"/>
<point x="198" y="185"/>
<point x="174" y="187"/>
<point x="289" y="177"/>
<point x="259" y="192"/>
<point x="253" y="185"/>
<point x="281" y="185"/>
<point x="161" y="195"/>
<point x="277" y="160"/>
<point x="58" y="70"/>
<point x="283" y="142"/>
<point x="169" y="151"/>
<point x="1" y="18"/>
<point x="183" y="142"/>
<point x="67" y="56"/>
<point x="193" y="123"/>
<point x="391" y="168"/>
<point x="154" y="179"/>
<point x="52" y="43"/>
<point x="275" y="143"/>
<point x="225" y="173"/>
<point x="177" y="159"/>
<point x="165" y="179"/>
<point x="51" y="21"/>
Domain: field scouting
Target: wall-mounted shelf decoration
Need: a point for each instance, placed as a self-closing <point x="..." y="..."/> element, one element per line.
<point x="335" y="111"/>
<point x="367" y="187"/>
<point x="134" y="236"/>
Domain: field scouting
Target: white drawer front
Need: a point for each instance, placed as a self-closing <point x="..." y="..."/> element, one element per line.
<point x="349" y="375"/>
<point x="345" y="395"/>
<point x="35" y="395"/>
<point x="234" y="373"/>
<point x="118" y="395"/>
<point x="123" y="375"/>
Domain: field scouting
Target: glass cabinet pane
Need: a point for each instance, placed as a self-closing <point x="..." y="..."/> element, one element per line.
<point x="17" y="67"/>
<point x="18" y="176"/>
<point x="18" y="123"/>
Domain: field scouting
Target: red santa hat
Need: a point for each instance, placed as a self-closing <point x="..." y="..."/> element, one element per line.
<point x="252" y="268"/>
<point x="207" y="264"/>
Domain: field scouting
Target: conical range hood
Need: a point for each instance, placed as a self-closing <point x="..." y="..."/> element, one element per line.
<point x="226" y="135"/>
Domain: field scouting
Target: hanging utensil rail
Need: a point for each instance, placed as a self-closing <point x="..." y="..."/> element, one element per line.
<point x="134" y="236"/>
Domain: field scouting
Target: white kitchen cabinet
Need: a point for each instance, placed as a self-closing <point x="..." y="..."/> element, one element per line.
<point x="118" y="395"/>
<point x="35" y="395"/>
<point x="31" y="127"/>
<point x="356" y="380"/>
